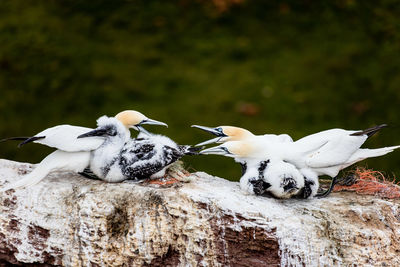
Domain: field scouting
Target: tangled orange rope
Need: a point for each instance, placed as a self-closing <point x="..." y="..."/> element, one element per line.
<point x="371" y="182"/>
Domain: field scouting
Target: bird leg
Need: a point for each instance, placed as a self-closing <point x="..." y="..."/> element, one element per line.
<point x="349" y="180"/>
<point x="327" y="192"/>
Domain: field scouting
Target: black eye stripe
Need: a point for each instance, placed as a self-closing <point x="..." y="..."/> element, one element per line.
<point x="111" y="130"/>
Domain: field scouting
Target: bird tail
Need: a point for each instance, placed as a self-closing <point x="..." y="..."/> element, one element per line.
<point x="370" y="131"/>
<point x="364" y="153"/>
<point x="34" y="177"/>
<point x="191" y="150"/>
<point x="24" y="140"/>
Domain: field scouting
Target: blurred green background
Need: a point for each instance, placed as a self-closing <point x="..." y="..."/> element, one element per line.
<point x="293" y="67"/>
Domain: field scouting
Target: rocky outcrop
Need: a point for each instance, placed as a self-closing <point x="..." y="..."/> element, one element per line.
<point x="73" y="221"/>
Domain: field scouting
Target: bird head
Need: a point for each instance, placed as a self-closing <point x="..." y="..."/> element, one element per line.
<point x="224" y="134"/>
<point x="234" y="149"/>
<point x="107" y="127"/>
<point x="135" y="119"/>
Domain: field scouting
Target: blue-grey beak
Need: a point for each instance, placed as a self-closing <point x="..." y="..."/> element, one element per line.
<point x="215" y="131"/>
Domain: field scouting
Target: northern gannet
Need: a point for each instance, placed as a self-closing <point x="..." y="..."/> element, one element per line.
<point x="117" y="160"/>
<point x="271" y="177"/>
<point x="323" y="153"/>
<point x="232" y="133"/>
<point x="72" y="154"/>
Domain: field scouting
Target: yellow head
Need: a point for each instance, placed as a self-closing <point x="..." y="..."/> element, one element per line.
<point x="225" y="134"/>
<point x="130" y="118"/>
<point x="135" y="119"/>
<point x="235" y="133"/>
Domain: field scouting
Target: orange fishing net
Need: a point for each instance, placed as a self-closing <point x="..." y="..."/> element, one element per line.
<point x="369" y="182"/>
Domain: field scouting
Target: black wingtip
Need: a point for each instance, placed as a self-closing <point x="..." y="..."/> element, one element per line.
<point x="30" y="139"/>
<point x="370" y="131"/>
<point x="14" y="138"/>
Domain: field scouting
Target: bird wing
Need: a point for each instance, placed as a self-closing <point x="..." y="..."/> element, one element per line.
<point x="365" y="153"/>
<point x="64" y="137"/>
<point x="277" y="138"/>
<point x="336" y="151"/>
<point x="145" y="158"/>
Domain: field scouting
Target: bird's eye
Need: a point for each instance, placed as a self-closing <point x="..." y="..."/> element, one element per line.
<point x="219" y="129"/>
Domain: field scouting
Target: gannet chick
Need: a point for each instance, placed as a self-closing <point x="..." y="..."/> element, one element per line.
<point x="232" y="133"/>
<point x="72" y="154"/>
<point x="116" y="160"/>
<point x="276" y="177"/>
<point x="284" y="179"/>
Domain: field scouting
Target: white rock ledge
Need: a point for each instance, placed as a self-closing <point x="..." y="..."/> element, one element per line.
<point x="69" y="220"/>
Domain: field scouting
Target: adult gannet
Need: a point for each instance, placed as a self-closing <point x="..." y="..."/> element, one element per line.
<point x="64" y="137"/>
<point x="232" y="133"/>
<point x="323" y="153"/>
<point x="117" y="160"/>
<point x="73" y="154"/>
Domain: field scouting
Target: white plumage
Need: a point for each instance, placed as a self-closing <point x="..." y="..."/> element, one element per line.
<point x="278" y="178"/>
<point x="231" y="133"/>
<point x="64" y="137"/>
<point x="73" y="154"/>
<point x="323" y="153"/>
<point x="148" y="156"/>
<point x="56" y="161"/>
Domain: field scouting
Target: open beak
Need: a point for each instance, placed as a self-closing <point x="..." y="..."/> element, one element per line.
<point x="153" y="122"/>
<point x="217" y="150"/>
<point x="211" y="141"/>
<point x="139" y="127"/>
<point x="213" y="131"/>
<point x="142" y="130"/>
<point x="95" y="132"/>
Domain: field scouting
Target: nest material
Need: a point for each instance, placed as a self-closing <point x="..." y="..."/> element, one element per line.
<point x="369" y="182"/>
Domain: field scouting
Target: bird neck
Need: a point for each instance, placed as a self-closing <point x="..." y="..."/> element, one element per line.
<point x="127" y="134"/>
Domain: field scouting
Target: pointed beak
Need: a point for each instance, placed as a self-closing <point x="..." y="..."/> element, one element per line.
<point x="153" y="122"/>
<point x="95" y="132"/>
<point x="208" y="130"/>
<point x="217" y="150"/>
<point x="142" y="130"/>
<point x="213" y="131"/>
<point x="139" y="127"/>
<point x="211" y="141"/>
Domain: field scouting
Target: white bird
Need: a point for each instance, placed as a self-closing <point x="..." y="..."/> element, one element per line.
<point x="278" y="178"/>
<point x="276" y="175"/>
<point x="323" y="153"/>
<point x="72" y="154"/>
<point x="232" y="133"/>
<point x="145" y="157"/>
<point x="260" y="175"/>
